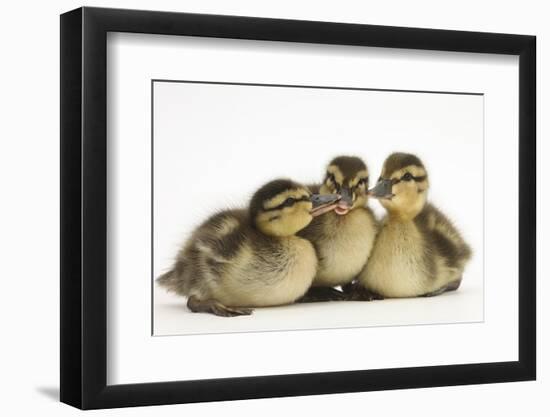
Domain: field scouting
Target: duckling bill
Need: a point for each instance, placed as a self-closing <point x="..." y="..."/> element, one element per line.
<point x="418" y="251"/>
<point x="240" y="259"/>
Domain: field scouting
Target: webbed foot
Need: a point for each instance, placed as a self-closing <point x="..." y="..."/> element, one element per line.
<point x="317" y="294"/>
<point x="216" y="308"/>
<point x="359" y="293"/>
<point x="348" y="288"/>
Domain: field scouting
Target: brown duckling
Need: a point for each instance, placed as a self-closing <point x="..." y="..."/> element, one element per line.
<point x="238" y="259"/>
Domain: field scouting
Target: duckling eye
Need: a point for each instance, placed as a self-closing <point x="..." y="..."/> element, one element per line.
<point x="363" y="181"/>
<point x="289" y="202"/>
<point x="407" y="177"/>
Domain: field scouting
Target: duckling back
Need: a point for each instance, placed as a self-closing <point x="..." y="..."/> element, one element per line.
<point x="205" y="254"/>
<point x="443" y="240"/>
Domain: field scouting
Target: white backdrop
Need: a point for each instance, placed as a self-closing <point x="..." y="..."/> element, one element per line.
<point x="29" y="217"/>
<point x="133" y="60"/>
<point x="214" y="145"/>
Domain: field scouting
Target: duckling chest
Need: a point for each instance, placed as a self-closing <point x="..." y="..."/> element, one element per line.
<point x="278" y="275"/>
<point x="344" y="246"/>
<point x="396" y="266"/>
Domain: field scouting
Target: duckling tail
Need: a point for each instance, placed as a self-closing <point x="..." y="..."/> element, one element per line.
<point x="166" y="279"/>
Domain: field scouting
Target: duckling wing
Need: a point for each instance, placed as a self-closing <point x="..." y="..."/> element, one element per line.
<point x="204" y="256"/>
<point x="219" y="239"/>
<point x="444" y="236"/>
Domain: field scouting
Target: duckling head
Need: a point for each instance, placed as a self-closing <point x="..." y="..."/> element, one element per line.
<point x="347" y="176"/>
<point x="403" y="185"/>
<point x="283" y="208"/>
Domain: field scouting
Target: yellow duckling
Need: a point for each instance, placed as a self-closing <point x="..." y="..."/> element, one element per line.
<point x="418" y="251"/>
<point x="238" y="259"/>
<point x="343" y="238"/>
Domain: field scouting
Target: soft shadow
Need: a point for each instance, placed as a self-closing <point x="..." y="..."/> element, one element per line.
<point x="50" y="392"/>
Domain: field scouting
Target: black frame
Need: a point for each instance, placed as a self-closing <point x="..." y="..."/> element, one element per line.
<point x="83" y="207"/>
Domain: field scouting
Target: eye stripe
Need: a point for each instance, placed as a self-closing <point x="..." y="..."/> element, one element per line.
<point x="330" y="177"/>
<point x="398" y="180"/>
<point x="287" y="204"/>
<point x="364" y="180"/>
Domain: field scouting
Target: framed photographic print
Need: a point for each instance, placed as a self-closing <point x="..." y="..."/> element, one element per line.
<point x="256" y="207"/>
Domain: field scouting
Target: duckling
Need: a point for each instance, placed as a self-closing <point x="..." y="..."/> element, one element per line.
<point x="238" y="259"/>
<point x="418" y="251"/>
<point x="343" y="238"/>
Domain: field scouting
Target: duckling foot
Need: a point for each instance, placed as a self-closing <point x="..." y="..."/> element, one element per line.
<point x="452" y="286"/>
<point x="216" y="308"/>
<point x="360" y="293"/>
<point x="348" y="288"/>
<point x="317" y="294"/>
